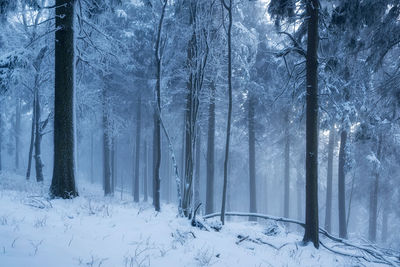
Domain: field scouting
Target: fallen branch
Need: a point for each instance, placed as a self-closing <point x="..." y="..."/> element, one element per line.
<point x="373" y="252"/>
<point x="256" y="215"/>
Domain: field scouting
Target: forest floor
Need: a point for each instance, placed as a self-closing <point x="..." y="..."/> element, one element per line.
<point x="92" y="230"/>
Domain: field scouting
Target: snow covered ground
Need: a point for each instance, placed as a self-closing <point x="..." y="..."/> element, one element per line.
<point x="95" y="231"/>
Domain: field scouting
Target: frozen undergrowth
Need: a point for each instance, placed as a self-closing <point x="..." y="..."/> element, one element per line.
<point x="95" y="231"/>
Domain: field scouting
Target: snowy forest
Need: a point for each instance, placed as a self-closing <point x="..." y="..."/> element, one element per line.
<point x="199" y="133"/>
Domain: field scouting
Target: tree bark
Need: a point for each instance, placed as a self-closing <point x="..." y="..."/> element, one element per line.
<point x="328" y="208"/>
<point x="137" y="154"/>
<point x="91" y="157"/>
<point x="145" y="172"/>
<point x="373" y="207"/>
<point x="228" y="7"/>
<point x="252" y="159"/>
<point x="157" y="113"/>
<point x="188" y="178"/>
<point x="38" y="139"/>
<point x="183" y="151"/>
<point x="342" y="185"/>
<point x="154" y="153"/>
<point x="63" y="182"/>
<point x="286" y="200"/>
<point x="17" y="131"/>
<point x="113" y="163"/>
<point x="197" y="174"/>
<point x="106" y="147"/>
<point x="312" y="224"/>
<point x="210" y="152"/>
<point x="28" y="171"/>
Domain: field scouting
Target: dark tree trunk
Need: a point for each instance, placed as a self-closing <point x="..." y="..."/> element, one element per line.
<point x="28" y="171"/>
<point x="183" y="151"/>
<point x="91" y="158"/>
<point x="197" y="174"/>
<point x="17" y="131"/>
<point x="287" y="168"/>
<point x="137" y="154"/>
<point x="373" y="207"/>
<point x="210" y="152"/>
<point x="228" y="7"/>
<point x="312" y="224"/>
<point x="342" y="185"/>
<point x="157" y="113"/>
<point x="328" y="208"/>
<point x="113" y="163"/>
<point x="252" y="158"/>
<point x="157" y="158"/>
<point x="63" y="182"/>
<point x="145" y="172"/>
<point x="188" y="178"/>
<point x="167" y="164"/>
<point x="106" y="148"/>
<point x="154" y="153"/>
<point x="38" y="139"/>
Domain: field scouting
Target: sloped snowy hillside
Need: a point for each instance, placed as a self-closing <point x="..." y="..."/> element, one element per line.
<point x="95" y="231"/>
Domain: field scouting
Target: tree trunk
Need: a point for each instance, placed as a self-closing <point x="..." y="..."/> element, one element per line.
<point x="328" y="208"/>
<point x="228" y="7"/>
<point x="145" y="172"/>
<point x="106" y="147"/>
<point x="210" y="152"/>
<point x="286" y="200"/>
<point x="157" y="113"/>
<point x="63" y="182"/>
<point x="373" y="207"/>
<point x="188" y="178"/>
<point x="183" y="151"/>
<point x="197" y="174"/>
<point x="167" y="172"/>
<point x="154" y="153"/>
<point x="91" y="157"/>
<point x="137" y="155"/>
<point x="28" y="171"/>
<point x="252" y="158"/>
<point x="113" y="163"/>
<point x="17" y="131"/>
<point x="312" y="224"/>
<point x="38" y="139"/>
<point x="342" y="185"/>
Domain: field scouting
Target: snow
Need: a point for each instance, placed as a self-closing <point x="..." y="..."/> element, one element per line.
<point x="92" y="230"/>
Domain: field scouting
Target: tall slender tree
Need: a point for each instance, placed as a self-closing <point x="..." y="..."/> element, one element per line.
<point x="229" y="8"/>
<point x="157" y="110"/>
<point x="328" y="205"/>
<point x="312" y="224"/>
<point x="210" y="151"/>
<point x="252" y="156"/>
<point x="137" y="153"/>
<point x="342" y="185"/>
